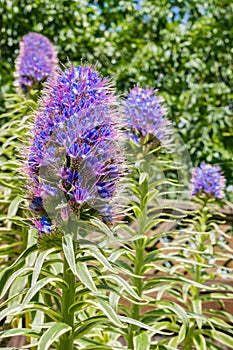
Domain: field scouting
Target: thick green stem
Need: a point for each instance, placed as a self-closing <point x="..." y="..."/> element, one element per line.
<point x="68" y="298"/>
<point x="139" y="259"/>
<point x="138" y="283"/>
<point x="202" y="227"/>
<point x="200" y="242"/>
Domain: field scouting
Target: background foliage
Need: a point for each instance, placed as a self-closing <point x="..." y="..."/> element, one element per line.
<point x="181" y="47"/>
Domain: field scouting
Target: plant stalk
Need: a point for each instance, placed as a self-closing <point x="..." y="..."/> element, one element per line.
<point x="138" y="283"/>
<point x="140" y="244"/>
<point x="68" y="298"/>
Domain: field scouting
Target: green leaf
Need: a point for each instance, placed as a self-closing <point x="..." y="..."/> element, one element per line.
<point x="32" y="241"/>
<point x="136" y="210"/>
<point x="182" y="334"/>
<point x="10" y="349"/>
<point x="220" y="323"/>
<point x="101" y="258"/>
<point x="114" y="299"/>
<point x="10" y="311"/>
<point x="13" y="207"/>
<point x="101" y="347"/>
<point x="85" y="277"/>
<point x="221" y="337"/>
<point x="174" y="341"/>
<point x="14" y="310"/>
<point x="85" y="326"/>
<point x="108" y="311"/>
<point x="68" y="248"/>
<point x="24" y="254"/>
<point x="142" y="178"/>
<point x="103" y="228"/>
<point x="38" y="265"/>
<point x="52" y="335"/>
<point x="142" y="341"/>
<point x="120" y="281"/>
<point x="142" y="325"/>
<point x="47" y="310"/>
<point x="12" y="278"/>
<point x="199" y="342"/>
<point x="37" y="287"/>
<point x="177" y="309"/>
<point x="161" y="280"/>
<point x="211" y="345"/>
<point x="79" y="305"/>
<point x="197" y="308"/>
<point x="221" y="314"/>
<point x="20" y="331"/>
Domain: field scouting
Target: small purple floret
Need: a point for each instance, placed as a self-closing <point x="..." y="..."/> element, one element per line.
<point x="208" y="179"/>
<point x="43" y="225"/>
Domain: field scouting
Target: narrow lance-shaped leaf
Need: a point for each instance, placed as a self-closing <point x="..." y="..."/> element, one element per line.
<point x="142" y="341"/>
<point x="52" y="335"/>
<point x="38" y="265"/>
<point x="108" y="311"/>
<point x="15" y="275"/>
<point x="85" y="277"/>
<point x="119" y="280"/>
<point x="38" y="286"/>
<point x="68" y="248"/>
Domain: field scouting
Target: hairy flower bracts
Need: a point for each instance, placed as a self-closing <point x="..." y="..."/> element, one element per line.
<point x="208" y="179"/>
<point x="37" y="61"/>
<point x="74" y="161"/>
<point x="145" y="117"/>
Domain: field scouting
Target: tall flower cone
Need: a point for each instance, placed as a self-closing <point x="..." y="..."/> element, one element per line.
<point x="36" y="62"/>
<point x="146" y="120"/>
<point x="74" y="161"/>
<point x="208" y="180"/>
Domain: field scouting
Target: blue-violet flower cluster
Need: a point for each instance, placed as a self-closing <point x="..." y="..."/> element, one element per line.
<point x="74" y="162"/>
<point x="208" y="179"/>
<point x="145" y="117"/>
<point x="37" y="61"/>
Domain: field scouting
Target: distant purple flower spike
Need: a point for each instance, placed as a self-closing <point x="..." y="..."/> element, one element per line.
<point x="74" y="147"/>
<point x="145" y="117"/>
<point x="36" y="62"/>
<point x="208" y="179"/>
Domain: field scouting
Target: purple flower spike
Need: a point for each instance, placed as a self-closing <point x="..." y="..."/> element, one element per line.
<point x="208" y="179"/>
<point x="74" y="161"/>
<point x="36" y="62"/>
<point x="145" y="117"/>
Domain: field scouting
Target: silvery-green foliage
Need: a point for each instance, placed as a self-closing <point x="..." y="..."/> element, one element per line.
<point x="152" y="178"/>
<point x="14" y="126"/>
<point x="205" y="250"/>
<point x="88" y="275"/>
